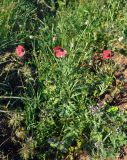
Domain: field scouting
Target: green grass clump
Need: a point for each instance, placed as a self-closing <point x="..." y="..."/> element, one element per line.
<point x="18" y="23"/>
<point x="59" y="114"/>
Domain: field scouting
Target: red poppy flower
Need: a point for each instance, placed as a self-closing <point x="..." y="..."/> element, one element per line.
<point x="106" y="54"/>
<point x="59" y="52"/>
<point x="20" y="51"/>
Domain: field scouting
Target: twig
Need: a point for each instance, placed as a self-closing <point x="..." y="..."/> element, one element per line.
<point x="11" y="97"/>
<point x="4" y="141"/>
<point x="4" y="111"/>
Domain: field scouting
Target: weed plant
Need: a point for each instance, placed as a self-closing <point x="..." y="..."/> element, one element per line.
<point x="59" y="114"/>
